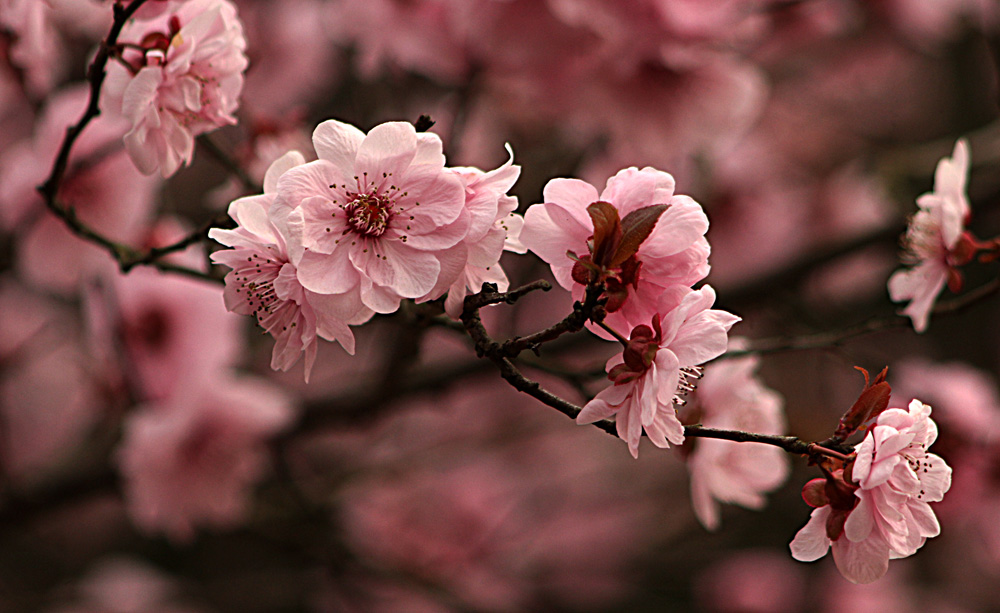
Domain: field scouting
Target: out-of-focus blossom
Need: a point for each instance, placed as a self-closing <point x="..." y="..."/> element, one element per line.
<point x="101" y="187"/>
<point x="191" y="460"/>
<point x="174" y="330"/>
<point x="730" y="397"/>
<point x="184" y="81"/>
<point x="494" y="227"/>
<point x="653" y="370"/>
<point x="288" y="44"/>
<point x="674" y="254"/>
<point x="496" y="519"/>
<point x="49" y="396"/>
<point x="263" y="281"/>
<point x="376" y="214"/>
<point x="878" y="509"/>
<point x="122" y="585"/>
<point x="752" y="581"/>
<point x="935" y="240"/>
<point x="37" y="48"/>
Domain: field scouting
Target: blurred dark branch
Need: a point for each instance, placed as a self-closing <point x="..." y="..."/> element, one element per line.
<point x="126" y="257"/>
<point x="826" y="340"/>
<point x="232" y="166"/>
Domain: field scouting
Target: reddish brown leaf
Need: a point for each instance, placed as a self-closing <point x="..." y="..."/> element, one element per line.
<point x="635" y="229"/>
<point x="607" y="232"/>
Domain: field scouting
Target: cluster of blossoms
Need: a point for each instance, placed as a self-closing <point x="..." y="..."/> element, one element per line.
<point x="179" y="74"/>
<point x="376" y="219"/>
<point x="875" y="507"/>
<point x="646" y="246"/>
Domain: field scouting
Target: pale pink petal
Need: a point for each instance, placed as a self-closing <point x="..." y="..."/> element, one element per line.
<point x="811" y="542"/>
<point x="861" y="562"/>
<point x="338" y="143"/>
<point x="327" y="274"/>
<point x="386" y="153"/>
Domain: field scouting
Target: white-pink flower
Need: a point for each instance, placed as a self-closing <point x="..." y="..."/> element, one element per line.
<point x="934" y="240"/>
<point x="190" y="461"/>
<point x="893" y="478"/>
<point x="686" y="336"/>
<point x="263" y="282"/>
<point x="674" y="254"/>
<point x="494" y="227"/>
<point x="185" y="81"/>
<point x="731" y="397"/>
<point x="376" y="213"/>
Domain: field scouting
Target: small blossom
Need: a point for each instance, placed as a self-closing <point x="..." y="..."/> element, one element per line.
<point x="674" y="253"/>
<point x="185" y="81"/>
<point x="376" y="213"/>
<point x="263" y="281"/>
<point x="650" y="373"/>
<point x="190" y="460"/>
<point x="936" y="241"/>
<point x="877" y="509"/>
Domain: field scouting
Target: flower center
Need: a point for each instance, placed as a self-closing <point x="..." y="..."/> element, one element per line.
<point x="368" y="214"/>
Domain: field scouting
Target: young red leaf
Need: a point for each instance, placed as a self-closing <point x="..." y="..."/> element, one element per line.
<point x="635" y="229"/>
<point x="607" y="232"/>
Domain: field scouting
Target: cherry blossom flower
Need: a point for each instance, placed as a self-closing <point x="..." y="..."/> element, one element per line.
<point x="376" y="214"/>
<point x="494" y="228"/>
<point x="186" y="81"/>
<point x="263" y="282"/>
<point x="657" y="365"/>
<point x="730" y="397"/>
<point x="935" y="240"/>
<point x="191" y="459"/>
<point x="877" y="509"/>
<point x="674" y="254"/>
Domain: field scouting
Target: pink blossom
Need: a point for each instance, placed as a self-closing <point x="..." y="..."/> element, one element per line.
<point x="37" y="48"/>
<point x="186" y="81"/>
<point x="887" y="516"/>
<point x="687" y="335"/>
<point x="190" y="460"/>
<point x="101" y="186"/>
<point x="263" y="282"/>
<point x="174" y="330"/>
<point x="934" y="239"/>
<point x="731" y="397"/>
<point x="376" y="214"/>
<point x="494" y="227"/>
<point x="674" y="254"/>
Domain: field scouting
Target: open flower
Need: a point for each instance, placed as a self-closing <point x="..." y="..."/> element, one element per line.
<point x="263" y="281"/>
<point x="375" y="213"/>
<point x="656" y="365"/>
<point x="185" y="81"/>
<point x="674" y="253"/>
<point x="935" y="240"/>
<point x="877" y="509"/>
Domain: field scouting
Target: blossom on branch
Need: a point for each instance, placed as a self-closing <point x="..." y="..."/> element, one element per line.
<point x="936" y="241"/>
<point x="876" y="508"/>
<point x="263" y="280"/>
<point x="675" y="253"/>
<point x="180" y="74"/>
<point x="653" y="371"/>
<point x="376" y="214"/>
